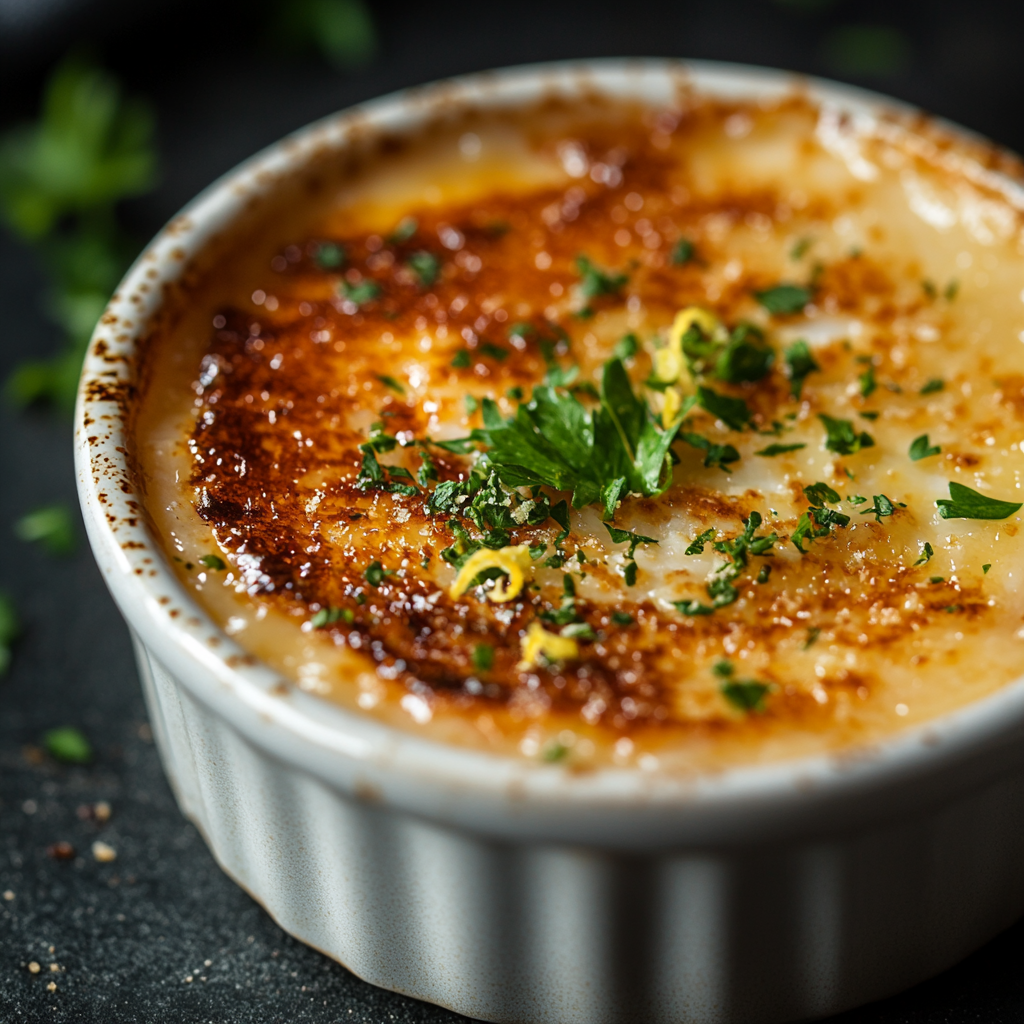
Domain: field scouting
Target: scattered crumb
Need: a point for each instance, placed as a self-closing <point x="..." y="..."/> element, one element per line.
<point x="207" y="963"/>
<point x="54" y="968"/>
<point x="101" y="811"/>
<point x="52" y="987"/>
<point x="145" y="733"/>
<point x="61" y="850"/>
<point x="32" y="754"/>
<point x="8" y="895"/>
<point x="188" y="979"/>
<point x="103" y="853"/>
<point x="30" y="807"/>
<point x="33" y="967"/>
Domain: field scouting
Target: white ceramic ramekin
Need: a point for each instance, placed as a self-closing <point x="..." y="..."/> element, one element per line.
<point x="519" y="892"/>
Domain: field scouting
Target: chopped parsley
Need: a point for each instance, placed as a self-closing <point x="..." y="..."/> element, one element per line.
<point x="213" y="562"/>
<point x="682" y="252"/>
<point x="627" y="347"/>
<point x="629" y="574"/>
<point x="779" y="449"/>
<point x="329" y="256"/>
<point x="494" y="351"/>
<point x="10" y="627"/>
<point x="965" y="503"/>
<point x="598" y="455"/>
<point x="462" y="359"/>
<point x="841" y="437"/>
<point x="733" y="412"/>
<point x="935" y="384"/>
<point x="715" y="455"/>
<point x="926" y="554"/>
<point x="696" y="546"/>
<point x="869" y="414"/>
<point x="404" y="230"/>
<point x="818" y="520"/>
<point x="426" y="266"/>
<point x="595" y="282"/>
<point x="868" y="384"/>
<point x="800" y="363"/>
<point x="363" y="292"/>
<point x="390" y="382"/>
<point x="328" y="616"/>
<point x="985" y="568"/>
<point x="483" y="657"/>
<point x="920" y="449"/>
<point x="471" y="403"/>
<point x="745" y="357"/>
<point x="952" y="290"/>
<point x="51" y="526"/>
<point x="883" y="506"/>
<point x="68" y="744"/>
<point x="622" y="618"/>
<point x="812" y="637"/>
<point x="375" y="574"/>
<point x="628" y="537"/>
<point x="800" y="248"/>
<point x="784" y="299"/>
<point x="746" y="694"/>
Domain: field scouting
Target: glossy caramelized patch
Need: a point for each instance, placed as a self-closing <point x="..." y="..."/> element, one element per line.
<point x="660" y="449"/>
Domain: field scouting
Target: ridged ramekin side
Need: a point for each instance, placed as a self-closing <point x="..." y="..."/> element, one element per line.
<point x="550" y="934"/>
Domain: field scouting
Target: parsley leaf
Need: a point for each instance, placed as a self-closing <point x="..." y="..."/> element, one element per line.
<point x="696" y="546"/>
<point x="779" y="449"/>
<point x="745" y="357"/>
<point x="964" y="503"/>
<point x="868" y="384"/>
<point x="818" y="520"/>
<point x="784" y="299"/>
<point x="483" y="657"/>
<point x="51" y="526"/>
<point x="595" y="282"/>
<point x="926" y="554"/>
<point x="329" y="256"/>
<point x="426" y="266"/>
<point x="682" y="252"/>
<point x="462" y="359"/>
<point x="553" y="440"/>
<point x="715" y="455"/>
<point x="494" y="351"/>
<point x="883" y="506"/>
<point x="68" y="744"/>
<point x="214" y="562"/>
<point x="799" y="363"/>
<point x="733" y="412"/>
<point x="404" y="230"/>
<point x="919" y="448"/>
<point x="935" y="384"/>
<point x="628" y="537"/>
<point x="842" y="438"/>
<point x="10" y="627"/>
<point x="746" y="694"/>
<point x="627" y="347"/>
<point x="363" y="292"/>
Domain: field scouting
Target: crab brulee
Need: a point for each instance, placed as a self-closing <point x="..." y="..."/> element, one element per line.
<point x="601" y="434"/>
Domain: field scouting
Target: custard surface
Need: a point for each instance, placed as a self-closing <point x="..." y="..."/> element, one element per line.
<point x="385" y="310"/>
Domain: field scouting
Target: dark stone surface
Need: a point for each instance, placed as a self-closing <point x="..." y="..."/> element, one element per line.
<point x="128" y="934"/>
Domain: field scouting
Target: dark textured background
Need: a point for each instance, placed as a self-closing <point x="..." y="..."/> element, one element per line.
<point x="128" y="935"/>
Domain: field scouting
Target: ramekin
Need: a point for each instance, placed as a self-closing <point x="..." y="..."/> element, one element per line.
<point x="519" y="892"/>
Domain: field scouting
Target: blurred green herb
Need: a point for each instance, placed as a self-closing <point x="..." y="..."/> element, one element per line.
<point x="10" y="628"/>
<point x="61" y="178"/>
<point x="342" y="31"/>
<point x="67" y="744"/>
<point x="871" y="51"/>
<point x="52" y="526"/>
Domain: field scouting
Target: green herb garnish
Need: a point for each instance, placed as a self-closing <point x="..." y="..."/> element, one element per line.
<point x="682" y="252"/>
<point x="483" y="657"/>
<point x="627" y="347"/>
<point x="10" y="627"/>
<point x="883" y="506"/>
<point x="935" y="384"/>
<point x="919" y="448"/>
<point x="68" y="744"/>
<point x="818" y="521"/>
<point x="799" y="363"/>
<point x="328" y="616"/>
<point x="628" y="537"/>
<point x="812" y="636"/>
<point x="784" y="299"/>
<point x="926" y="554"/>
<point x="404" y="230"/>
<point x="696" y="546"/>
<point x="985" y="568"/>
<point x="462" y="359"/>
<point x="494" y="351"/>
<point x="868" y="383"/>
<point x="746" y="694"/>
<point x="595" y="282"/>
<point x="329" y="256"/>
<point x="213" y="562"/>
<point x="800" y="248"/>
<point x="779" y="449"/>
<point x="733" y="412"/>
<point x="842" y="438"/>
<point x="715" y="455"/>
<point x="426" y="266"/>
<point x="361" y="293"/>
<point x="622" y="618"/>
<point x="51" y="526"/>
<point x="964" y="503"/>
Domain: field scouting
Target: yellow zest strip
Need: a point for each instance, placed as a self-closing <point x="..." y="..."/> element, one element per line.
<point x="673" y="403"/>
<point x="669" y="363"/>
<point x="513" y="561"/>
<point x="554" y="647"/>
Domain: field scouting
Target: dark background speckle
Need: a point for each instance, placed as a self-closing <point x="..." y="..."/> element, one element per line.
<point x="127" y="934"/>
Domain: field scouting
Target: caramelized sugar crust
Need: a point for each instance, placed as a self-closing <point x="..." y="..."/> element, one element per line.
<point x="290" y="384"/>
